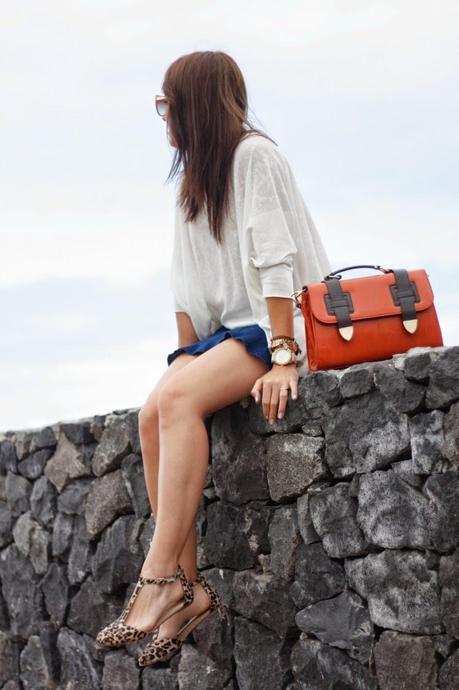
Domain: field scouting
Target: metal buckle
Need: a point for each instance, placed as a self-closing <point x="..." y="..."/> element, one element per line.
<point x="296" y="294"/>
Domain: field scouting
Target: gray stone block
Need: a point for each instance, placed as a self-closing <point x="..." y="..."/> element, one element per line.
<point x="342" y="622"/>
<point x="118" y="556"/>
<point x="238" y="461"/>
<point x="450" y="448"/>
<point x="316" y="576"/>
<point x="22" y="441"/>
<point x="43" y="438"/>
<point x="401" y="590"/>
<point x="8" y="456"/>
<point x="79" y="560"/>
<point x="106" y="499"/>
<point x="236" y="534"/>
<point x="319" y="392"/>
<point x="333" y="513"/>
<point x="32" y="466"/>
<point x="405" y="661"/>
<point x="317" y="666"/>
<point x="78" y="432"/>
<point x="443" y="388"/>
<point x="284" y="537"/>
<point x="294" y="462"/>
<point x="427" y="442"/>
<point x="9" y="657"/>
<point x="365" y="434"/>
<point x="6" y="523"/>
<point x="403" y="395"/>
<point x="114" y="445"/>
<point x="305" y="524"/>
<point x="21" y="592"/>
<point x="134" y="478"/>
<point x="66" y="463"/>
<point x="449" y="583"/>
<point x="78" y="668"/>
<point x="263" y="597"/>
<point x="71" y="501"/>
<point x="120" y="672"/>
<point x="43" y="500"/>
<point x="62" y="534"/>
<point x="195" y="670"/>
<point x="448" y="677"/>
<point x="356" y="380"/>
<point x="36" y="671"/>
<point x="261" y="657"/>
<point x="157" y="678"/>
<point x="32" y="541"/>
<point x="55" y="588"/>
<point x="18" y="491"/>
<point x="393" y="514"/>
<point x="90" y="610"/>
<point x="442" y="490"/>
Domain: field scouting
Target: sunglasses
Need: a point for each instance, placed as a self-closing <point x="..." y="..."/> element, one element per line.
<point x="162" y="105"/>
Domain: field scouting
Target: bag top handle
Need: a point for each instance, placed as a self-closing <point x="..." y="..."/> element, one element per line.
<point x="335" y="274"/>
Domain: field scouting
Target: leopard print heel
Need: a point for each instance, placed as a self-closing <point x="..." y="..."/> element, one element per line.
<point x="119" y="633"/>
<point x="164" y="648"/>
<point x="216" y="603"/>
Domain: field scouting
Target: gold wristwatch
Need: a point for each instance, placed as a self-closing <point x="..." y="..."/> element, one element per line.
<point x="283" y="350"/>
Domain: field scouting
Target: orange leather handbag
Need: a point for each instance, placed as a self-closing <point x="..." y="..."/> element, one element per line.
<point x="368" y="318"/>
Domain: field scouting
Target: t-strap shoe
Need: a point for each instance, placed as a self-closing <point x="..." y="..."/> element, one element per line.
<point x="119" y="633"/>
<point x="163" y="648"/>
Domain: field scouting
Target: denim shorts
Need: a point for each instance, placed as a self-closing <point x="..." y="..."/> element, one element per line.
<point x="253" y="337"/>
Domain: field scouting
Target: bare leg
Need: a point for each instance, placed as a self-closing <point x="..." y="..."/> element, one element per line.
<point x="213" y="380"/>
<point x="149" y="443"/>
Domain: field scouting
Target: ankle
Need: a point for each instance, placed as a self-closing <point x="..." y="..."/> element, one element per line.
<point x="160" y="568"/>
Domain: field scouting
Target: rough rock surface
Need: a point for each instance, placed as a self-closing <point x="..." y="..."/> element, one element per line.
<point x="332" y="536"/>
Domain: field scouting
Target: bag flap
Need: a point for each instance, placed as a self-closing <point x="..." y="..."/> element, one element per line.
<point x="371" y="296"/>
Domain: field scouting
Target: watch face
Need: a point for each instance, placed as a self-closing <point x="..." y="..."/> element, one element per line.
<point x="282" y="356"/>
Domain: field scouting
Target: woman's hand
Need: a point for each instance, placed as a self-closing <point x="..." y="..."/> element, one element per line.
<point x="273" y="388"/>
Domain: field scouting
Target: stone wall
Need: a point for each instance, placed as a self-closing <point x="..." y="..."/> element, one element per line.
<point x="332" y="537"/>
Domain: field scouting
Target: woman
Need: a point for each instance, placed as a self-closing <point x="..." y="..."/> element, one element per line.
<point x="244" y="241"/>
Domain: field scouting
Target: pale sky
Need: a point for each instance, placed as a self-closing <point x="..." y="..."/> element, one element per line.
<point x="361" y="97"/>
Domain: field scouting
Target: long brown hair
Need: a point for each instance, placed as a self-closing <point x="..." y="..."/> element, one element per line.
<point x="208" y="116"/>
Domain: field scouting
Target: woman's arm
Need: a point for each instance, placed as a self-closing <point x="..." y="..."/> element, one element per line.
<point x="280" y="310"/>
<point x="274" y="386"/>
<point x="185" y="330"/>
<point x="266" y="224"/>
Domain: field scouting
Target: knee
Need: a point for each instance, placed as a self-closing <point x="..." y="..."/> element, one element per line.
<point x="172" y="401"/>
<point x="148" y="416"/>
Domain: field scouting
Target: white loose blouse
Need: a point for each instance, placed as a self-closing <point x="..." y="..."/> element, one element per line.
<point x="271" y="247"/>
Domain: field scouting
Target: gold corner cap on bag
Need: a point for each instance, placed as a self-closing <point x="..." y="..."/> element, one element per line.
<point x="346" y="332"/>
<point x="410" y="325"/>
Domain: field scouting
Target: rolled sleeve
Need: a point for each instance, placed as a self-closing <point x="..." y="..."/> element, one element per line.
<point x="267" y="221"/>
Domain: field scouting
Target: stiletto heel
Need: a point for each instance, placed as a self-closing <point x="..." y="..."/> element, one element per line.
<point x="223" y="613"/>
<point x="165" y="647"/>
<point x="119" y="632"/>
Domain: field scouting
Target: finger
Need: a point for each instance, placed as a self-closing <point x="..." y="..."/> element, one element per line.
<point x="274" y="403"/>
<point x="266" y="399"/>
<point x="283" y="397"/>
<point x="256" y="390"/>
<point x="294" y="388"/>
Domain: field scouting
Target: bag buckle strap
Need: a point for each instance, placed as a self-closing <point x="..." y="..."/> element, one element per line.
<point x="404" y="294"/>
<point x="339" y="304"/>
